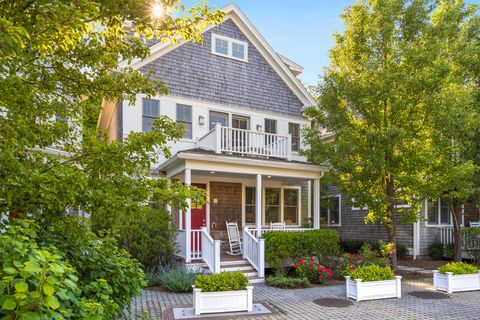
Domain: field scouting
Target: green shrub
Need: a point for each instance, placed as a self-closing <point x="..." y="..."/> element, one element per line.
<point x="287" y="283"/>
<point x="152" y="277"/>
<point x="224" y="281"/>
<point x="458" y="268"/>
<point x="178" y="280"/>
<point x="106" y="273"/>
<point x="448" y="250"/>
<point x="281" y="247"/>
<point x="371" y="273"/>
<point x="351" y="245"/>
<point x="402" y="250"/>
<point x="312" y="270"/>
<point x="148" y="236"/>
<point x="435" y="250"/>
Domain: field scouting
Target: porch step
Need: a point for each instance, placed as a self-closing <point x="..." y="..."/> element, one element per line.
<point x="241" y="265"/>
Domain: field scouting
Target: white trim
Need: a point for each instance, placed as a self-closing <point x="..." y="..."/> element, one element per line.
<point x="230" y="42"/>
<point x="266" y="185"/>
<point x="352" y="200"/>
<point x="339" y="196"/>
<point x="439" y="224"/>
<point x="232" y="11"/>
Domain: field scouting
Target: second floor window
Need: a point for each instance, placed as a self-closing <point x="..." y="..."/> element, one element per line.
<point x="150" y="112"/>
<point x="270" y="126"/>
<point x="230" y="48"/>
<point x="294" y="131"/>
<point x="184" y="117"/>
<point x="217" y="117"/>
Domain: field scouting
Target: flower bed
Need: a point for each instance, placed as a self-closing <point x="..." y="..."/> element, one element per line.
<point x="312" y="270"/>
<point x="222" y="292"/>
<point x="373" y="282"/>
<point x="456" y="277"/>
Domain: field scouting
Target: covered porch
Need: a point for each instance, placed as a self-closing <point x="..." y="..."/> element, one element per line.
<point x="256" y="193"/>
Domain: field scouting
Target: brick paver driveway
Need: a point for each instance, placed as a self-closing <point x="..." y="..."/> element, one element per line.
<point x="298" y="304"/>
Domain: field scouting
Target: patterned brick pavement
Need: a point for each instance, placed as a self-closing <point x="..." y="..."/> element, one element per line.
<point x="298" y="304"/>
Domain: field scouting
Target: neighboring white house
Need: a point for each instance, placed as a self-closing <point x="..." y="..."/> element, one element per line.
<point x="242" y="107"/>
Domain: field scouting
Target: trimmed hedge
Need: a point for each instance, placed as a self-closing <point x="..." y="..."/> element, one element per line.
<point x="282" y="246"/>
<point x="458" y="268"/>
<point x="223" y="281"/>
<point x="371" y="273"/>
<point x="287" y="283"/>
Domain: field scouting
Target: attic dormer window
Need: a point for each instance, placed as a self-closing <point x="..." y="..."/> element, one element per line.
<point x="230" y="48"/>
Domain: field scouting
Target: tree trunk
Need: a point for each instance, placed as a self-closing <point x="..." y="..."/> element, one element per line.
<point x="391" y="224"/>
<point x="392" y="238"/>
<point x="457" y="231"/>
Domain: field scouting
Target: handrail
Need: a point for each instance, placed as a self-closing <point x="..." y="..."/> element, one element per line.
<point x="254" y="251"/>
<point x="210" y="251"/>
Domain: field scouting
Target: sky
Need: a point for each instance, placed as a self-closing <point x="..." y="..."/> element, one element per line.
<point x="301" y="30"/>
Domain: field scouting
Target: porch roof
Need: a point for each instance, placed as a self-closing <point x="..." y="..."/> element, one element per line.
<point x="200" y="159"/>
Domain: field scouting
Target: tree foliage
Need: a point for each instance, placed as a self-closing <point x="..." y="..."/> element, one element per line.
<point x="58" y="60"/>
<point x="383" y="96"/>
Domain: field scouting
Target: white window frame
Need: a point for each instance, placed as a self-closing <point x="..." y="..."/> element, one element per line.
<point x="439" y="224"/>
<point x="264" y="224"/>
<point x="356" y="208"/>
<point x="230" y="42"/>
<point x="339" y="196"/>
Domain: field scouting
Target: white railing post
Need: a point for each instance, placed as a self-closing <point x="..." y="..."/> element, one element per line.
<point x="261" y="258"/>
<point x="244" y="244"/>
<point x="316" y="203"/>
<point x="217" y="256"/>
<point x="258" y="205"/>
<point x="188" y="220"/>
<point x="218" y="138"/>
<point x="289" y="147"/>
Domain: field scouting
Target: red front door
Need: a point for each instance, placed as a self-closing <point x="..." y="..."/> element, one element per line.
<point x="198" y="215"/>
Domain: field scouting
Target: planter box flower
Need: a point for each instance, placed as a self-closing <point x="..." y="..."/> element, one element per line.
<point x="222" y="301"/>
<point x="370" y="290"/>
<point x="449" y="282"/>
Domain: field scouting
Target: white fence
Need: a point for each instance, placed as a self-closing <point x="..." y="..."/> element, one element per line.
<point x="446" y="235"/>
<point x="211" y="251"/>
<point x="254" y="251"/>
<point x="247" y="142"/>
<point x="470" y="240"/>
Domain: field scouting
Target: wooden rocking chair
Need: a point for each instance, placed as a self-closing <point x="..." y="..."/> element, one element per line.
<point x="234" y="239"/>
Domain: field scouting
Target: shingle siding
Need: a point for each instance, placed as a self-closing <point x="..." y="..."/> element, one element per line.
<point x="192" y="71"/>
<point x="353" y="224"/>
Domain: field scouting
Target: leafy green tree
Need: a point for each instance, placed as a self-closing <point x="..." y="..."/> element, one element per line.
<point x="58" y="61"/>
<point x="456" y="120"/>
<point x="379" y="98"/>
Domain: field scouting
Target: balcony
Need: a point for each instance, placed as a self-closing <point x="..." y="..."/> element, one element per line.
<point x="246" y="142"/>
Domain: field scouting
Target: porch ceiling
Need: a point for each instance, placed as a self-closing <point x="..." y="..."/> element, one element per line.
<point x="213" y="175"/>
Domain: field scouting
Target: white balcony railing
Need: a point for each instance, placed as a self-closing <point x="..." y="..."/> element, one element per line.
<point x="247" y="142"/>
<point x="210" y="251"/>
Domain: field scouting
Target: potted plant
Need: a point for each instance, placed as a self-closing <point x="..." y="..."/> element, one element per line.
<point x="222" y="292"/>
<point x="455" y="277"/>
<point x="372" y="282"/>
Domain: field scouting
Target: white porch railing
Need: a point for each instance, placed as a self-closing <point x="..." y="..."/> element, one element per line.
<point x="181" y="244"/>
<point x="254" y="251"/>
<point x="196" y="248"/>
<point x="446" y="235"/>
<point x="211" y="251"/>
<point x="247" y="142"/>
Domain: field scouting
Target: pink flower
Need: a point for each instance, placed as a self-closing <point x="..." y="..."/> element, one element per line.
<point x="296" y="265"/>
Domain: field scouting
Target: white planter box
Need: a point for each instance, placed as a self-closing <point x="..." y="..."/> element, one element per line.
<point x="222" y="301"/>
<point x="449" y="282"/>
<point x="369" y="290"/>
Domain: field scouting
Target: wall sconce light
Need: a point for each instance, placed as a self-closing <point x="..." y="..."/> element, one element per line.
<point x="259" y="127"/>
<point x="201" y="120"/>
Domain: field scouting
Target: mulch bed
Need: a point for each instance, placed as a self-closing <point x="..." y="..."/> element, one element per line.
<point x="428" y="295"/>
<point x="333" y="302"/>
<point x="424" y="264"/>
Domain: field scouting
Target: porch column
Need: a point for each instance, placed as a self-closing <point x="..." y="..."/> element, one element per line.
<point x="188" y="219"/>
<point x="316" y="203"/>
<point x="258" y="205"/>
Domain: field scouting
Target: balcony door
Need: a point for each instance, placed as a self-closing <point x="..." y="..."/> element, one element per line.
<point x="240" y="138"/>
